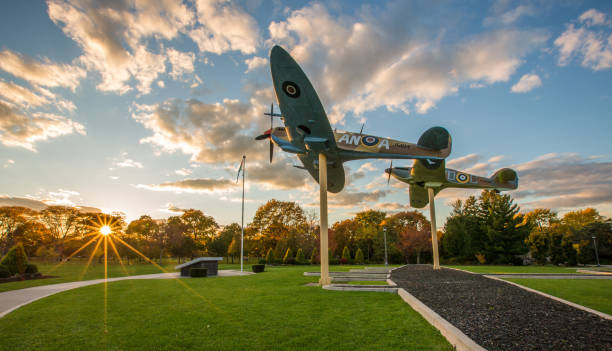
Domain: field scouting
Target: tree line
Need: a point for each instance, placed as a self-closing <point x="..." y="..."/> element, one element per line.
<point x="485" y="229"/>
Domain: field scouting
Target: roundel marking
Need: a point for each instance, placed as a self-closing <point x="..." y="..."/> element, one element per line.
<point x="462" y="178"/>
<point x="291" y="89"/>
<point x="369" y="140"/>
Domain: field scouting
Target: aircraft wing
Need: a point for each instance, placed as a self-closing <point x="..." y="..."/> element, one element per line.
<point x="419" y="197"/>
<point x="335" y="173"/>
<point x="305" y="119"/>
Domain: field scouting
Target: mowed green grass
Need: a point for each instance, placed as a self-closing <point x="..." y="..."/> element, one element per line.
<point x="75" y="270"/>
<point x="516" y="269"/>
<point x="273" y="310"/>
<point x="592" y="293"/>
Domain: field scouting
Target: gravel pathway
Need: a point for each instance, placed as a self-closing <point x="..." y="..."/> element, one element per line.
<point x="500" y="316"/>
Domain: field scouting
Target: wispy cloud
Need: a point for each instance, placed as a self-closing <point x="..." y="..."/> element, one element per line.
<point x="202" y="185"/>
<point x="528" y="82"/>
<point x="589" y="40"/>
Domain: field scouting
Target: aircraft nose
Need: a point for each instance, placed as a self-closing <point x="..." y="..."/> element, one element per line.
<point x="388" y="170"/>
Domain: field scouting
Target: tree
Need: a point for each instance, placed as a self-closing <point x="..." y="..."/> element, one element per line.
<point x="221" y="242"/>
<point x="62" y="223"/>
<point x="279" y="225"/>
<point x="539" y="222"/>
<point x="10" y="219"/>
<point x="288" y="258"/>
<point x="314" y="257"/>
<point x="359" y="256"/>
<point x="414" y="241"/>
<point x="200" y="227"/>
<point x="270" y="256"/>
<point x="346" y="256"/>
<point x="15" y="260"/>
<point x="234" y="249"/>
<point x="299" y="257"/>
<point x="502" y="225"/>
<point x="464" y="238"/>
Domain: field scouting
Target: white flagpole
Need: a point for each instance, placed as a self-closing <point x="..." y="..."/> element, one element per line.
<point x="242" y="233"/>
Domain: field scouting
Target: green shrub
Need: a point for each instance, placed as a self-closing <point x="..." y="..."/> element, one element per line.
<point x="346" y="255"/>
<point x="258" y="268"/>
<point x="299" y="257"/>
<point x="31" y="268"/>
<point x="198" y="272"/>
<point x="288" y="257"/>
<point x="15" y="260"/>
<point x="4" y="271"/>
<point x="262" y="261"/>
<point x="314" y="259"/>
<point x="359" y="256"/>
<point x="270" y="256"/>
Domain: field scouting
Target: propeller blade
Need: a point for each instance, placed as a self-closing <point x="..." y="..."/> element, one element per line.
<point x="390" y="170"/>
<point x="271" y="149"/>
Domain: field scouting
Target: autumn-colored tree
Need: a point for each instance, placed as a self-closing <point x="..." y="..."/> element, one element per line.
<point x="346" y="256"/>
<point x="220" y="243"/>
<point x="359" y="259"/>
<point x="200" y="227"/>
<point x="539" y="222"/>
<point x="62" y="223"/>
<point x="414" y="241"/>
<point x="11" y="217"/>
<point x="279" y="225"/>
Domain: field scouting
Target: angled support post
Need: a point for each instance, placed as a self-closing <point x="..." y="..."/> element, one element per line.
<point x="323" y="214"/>
<point x="434" y="230"/>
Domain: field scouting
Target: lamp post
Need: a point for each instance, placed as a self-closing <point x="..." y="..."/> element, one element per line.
<point x="596" y="254"/>
<point x="385" y="237"/>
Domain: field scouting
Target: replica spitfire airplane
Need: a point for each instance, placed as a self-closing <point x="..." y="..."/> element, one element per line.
<point x="308" y="133"/>
<point x="434" y="175"/>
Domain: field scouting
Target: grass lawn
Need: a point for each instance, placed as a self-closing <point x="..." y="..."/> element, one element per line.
<point x="73" y="271"/>
<point x="517" y="269"/>
<point x="594" y="293"/>
<point x="268" y="311"/>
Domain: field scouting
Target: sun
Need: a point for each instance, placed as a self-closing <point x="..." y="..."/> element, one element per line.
<point x="105" y="230"/>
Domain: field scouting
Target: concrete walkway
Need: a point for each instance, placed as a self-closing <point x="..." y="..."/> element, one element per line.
<point x="12" y="300"/>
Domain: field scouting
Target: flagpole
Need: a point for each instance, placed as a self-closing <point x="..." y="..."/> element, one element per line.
<point x="242" y="233"/>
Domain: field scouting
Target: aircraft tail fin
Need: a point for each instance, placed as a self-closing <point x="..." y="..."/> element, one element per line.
<point x="436" y="138"/>
<point x="505" y="179"/>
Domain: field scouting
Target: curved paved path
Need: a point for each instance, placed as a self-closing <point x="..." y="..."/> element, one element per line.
<point x="12" y="300"/>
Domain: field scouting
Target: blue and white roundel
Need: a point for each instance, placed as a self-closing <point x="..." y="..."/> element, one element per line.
<point x="369" y="140"/>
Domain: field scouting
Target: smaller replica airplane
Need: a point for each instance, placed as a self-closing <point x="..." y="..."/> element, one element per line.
<point x="423" y="175"/>
<point x="308" y="133"/>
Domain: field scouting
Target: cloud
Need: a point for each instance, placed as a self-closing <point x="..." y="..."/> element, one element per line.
<point x="463" y="161"/>
<point x="8" y="163"/>
<point x="279" y="175"/>
<point x="564" y="181"/>
<point x="20" y="130"/>
<point x="224" y="26"/>
<point x="44" y="73"/>
<point x="590" y="41"/>
<point x="22" y="202"/>
<point x="202" y="185"/>
<point x="124" y="162"/>
<point x="182" y="62"/>
<point x="112" y="36"/>
<point x="386" y="60"/>
<point x="255" y="62"/>
<point x="210" y="133"/>
<point x="505" y="16"/>
<point x="351" y="199"/>
<point x="59" y="198"/>
<point x="183" y="172"/>
<point x="528" y="82"/>
<point x="393" y="206"/>
<point x="592" y="17"/>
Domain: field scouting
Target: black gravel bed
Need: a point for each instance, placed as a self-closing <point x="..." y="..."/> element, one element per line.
<point x="501" y="316"/>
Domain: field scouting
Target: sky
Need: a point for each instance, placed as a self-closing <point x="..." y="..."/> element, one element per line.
<point x="146" y="107"/>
